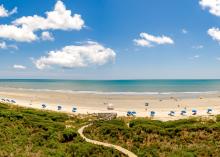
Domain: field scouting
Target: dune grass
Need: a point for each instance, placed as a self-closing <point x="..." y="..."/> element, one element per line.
<point x="31" y="132"/>
<point x="187" y="137"/>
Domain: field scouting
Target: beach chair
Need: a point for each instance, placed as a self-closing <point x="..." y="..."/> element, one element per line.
<point x="194" y="112"/>
<point x="44" y="105"/>
<point x="209" y="111"/>
<point x="59" y="107"/>
<point x="183" y="112"/>
<point x="172" y="113"/>
<point x="152" y="113"/>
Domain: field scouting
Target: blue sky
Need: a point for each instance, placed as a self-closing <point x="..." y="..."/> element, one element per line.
<point x="111" y="39"/>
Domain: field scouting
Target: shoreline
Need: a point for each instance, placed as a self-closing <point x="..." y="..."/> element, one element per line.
<point x="95" y="103"/>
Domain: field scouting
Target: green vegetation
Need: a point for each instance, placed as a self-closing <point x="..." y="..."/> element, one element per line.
<point x="31" y="132"/>
<point x="187" y="137"/>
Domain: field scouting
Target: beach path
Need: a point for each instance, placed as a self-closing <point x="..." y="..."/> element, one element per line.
<point x="123" y="150"/>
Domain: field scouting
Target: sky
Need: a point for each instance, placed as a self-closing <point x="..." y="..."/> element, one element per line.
<point x="110" y="39"/>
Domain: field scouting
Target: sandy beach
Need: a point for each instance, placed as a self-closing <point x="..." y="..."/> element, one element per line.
<point x="96" y="103"/>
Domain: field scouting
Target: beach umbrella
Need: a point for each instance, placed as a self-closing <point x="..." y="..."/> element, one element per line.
<point x="44" y="105"/>
<point x="59" y="107"/>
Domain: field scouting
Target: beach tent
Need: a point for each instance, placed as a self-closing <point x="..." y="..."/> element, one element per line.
<point x="110" y="107"/>
<point x="74" y="109"/>
<point x="209" y="111"/>
<point x="152" y="113"/>
<point x="172" y="113"/>
<point x="194" y="112"/>
<point x="131" y="113"/>
<point x="183" y="112"/>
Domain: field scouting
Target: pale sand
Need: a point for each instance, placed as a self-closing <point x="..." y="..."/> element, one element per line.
<point x="95" y="103"/>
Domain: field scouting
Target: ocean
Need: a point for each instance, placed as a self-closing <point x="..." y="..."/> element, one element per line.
<point x="150" y="87"/>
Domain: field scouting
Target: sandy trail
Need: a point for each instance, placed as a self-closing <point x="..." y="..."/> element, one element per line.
<point x="123" y="150"/>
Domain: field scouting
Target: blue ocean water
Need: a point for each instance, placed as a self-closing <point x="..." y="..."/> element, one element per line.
<point x="115" y="86"/>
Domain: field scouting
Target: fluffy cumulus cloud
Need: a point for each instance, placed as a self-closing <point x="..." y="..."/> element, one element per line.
<point x="5" y="13"/>
<point x="17" y="33"/>
<point x="21" y="67"/>
<point x="59" y="18"/>
<point x="212" y="5"/>
<point x="150" y="40"/>
<point x="214" y="33"/>
<point x="73" y="56"/>
<point x="47" y="36"/>
<point x="23" y="29"/>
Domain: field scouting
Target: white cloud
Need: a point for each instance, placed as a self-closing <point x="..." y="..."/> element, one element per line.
<point x="59" y="18"/>
<point x="218" y="58"/>
<point x="83" y="55"/>
<point x="198" y="47"/>
<point x="212" y="5"/>
<point x="47" y="36"/>
<point x="142" y="42"/>
<point x="5" y="13"/>
<point x="19" y="67"/>
<point x="195" y="57"/>
<point x="23" y="29"/>
<point x="149" y="40"/>
<point x="184" y="31"/>
<point x="3" y="45"/>
<point x="16" y="33"/>
<point x="214" y="33"/>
